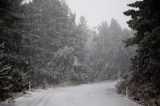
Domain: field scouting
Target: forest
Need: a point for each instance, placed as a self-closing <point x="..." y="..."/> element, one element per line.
<point x="42" y="44"/>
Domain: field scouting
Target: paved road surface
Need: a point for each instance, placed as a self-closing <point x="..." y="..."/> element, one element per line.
<point x="99" y="94"/>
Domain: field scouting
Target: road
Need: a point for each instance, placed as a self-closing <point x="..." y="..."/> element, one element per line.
<point x="99" y="94"/>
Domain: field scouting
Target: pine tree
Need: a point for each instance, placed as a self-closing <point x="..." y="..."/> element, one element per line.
<point x="12" y="62"/>
<point x="51" y="29"/>
<point x="146" y="64"/>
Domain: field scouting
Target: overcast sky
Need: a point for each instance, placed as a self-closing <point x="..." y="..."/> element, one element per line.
<point x="96" y="11"/>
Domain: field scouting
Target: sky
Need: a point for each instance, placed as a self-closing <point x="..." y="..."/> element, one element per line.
<point x="97" y="11"/>
<point x="26" y="1"/>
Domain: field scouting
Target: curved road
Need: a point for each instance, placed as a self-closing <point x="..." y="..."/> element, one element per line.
<point x="99" y="94"/>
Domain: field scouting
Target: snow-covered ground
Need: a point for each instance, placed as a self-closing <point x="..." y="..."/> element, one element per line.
<point x="99" y="94"/>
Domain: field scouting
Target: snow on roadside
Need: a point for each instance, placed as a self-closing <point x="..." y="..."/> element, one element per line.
<point x="99" y="94"/>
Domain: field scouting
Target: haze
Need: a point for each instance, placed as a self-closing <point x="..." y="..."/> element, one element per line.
<point x="96" y="11"/>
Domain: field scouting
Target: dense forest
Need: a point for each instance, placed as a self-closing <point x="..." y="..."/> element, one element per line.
<point x="42" y="44"/>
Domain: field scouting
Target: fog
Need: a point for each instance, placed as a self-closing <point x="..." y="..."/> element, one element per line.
<point x="51" y="48"/>
<point x="97" y="11"/>
<point x="60" y="43"/>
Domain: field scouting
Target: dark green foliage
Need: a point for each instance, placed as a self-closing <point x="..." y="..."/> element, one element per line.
<point x="145" y="65"/>
<point x="12" y="61"/>
<point x="5" y="81"/>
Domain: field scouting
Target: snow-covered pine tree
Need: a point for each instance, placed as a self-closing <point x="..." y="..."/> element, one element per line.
<point x="12" y="62"/>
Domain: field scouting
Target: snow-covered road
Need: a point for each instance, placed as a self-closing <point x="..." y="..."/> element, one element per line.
<point x="100" y="94"/>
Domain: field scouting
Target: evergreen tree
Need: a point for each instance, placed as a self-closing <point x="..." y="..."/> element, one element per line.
<point x="12" y="62"/>
<point x="146" y="64"/>
<point x="110" y="57"/>
<point x="146" y="22"/>
<point x="51" y="31"/>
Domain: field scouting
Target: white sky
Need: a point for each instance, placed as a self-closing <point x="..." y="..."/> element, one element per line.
<point x="26" y="1"/>
<point x="96" y="11"/>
